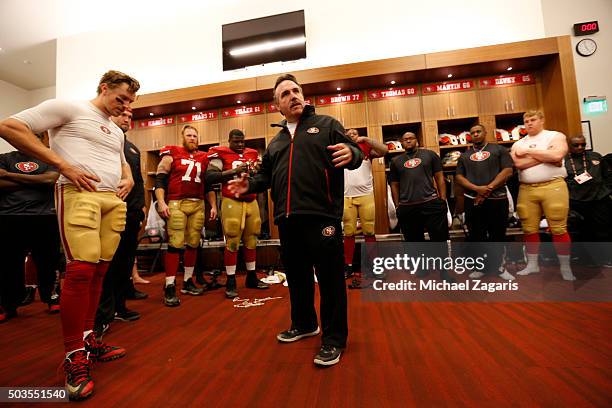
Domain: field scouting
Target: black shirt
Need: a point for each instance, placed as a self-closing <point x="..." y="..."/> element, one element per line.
<point x="136" y="199"/>
<point x="414" y="172"/>
<point x="594" y="189"/>
<point x="481" y="167"/>
<point x="29" y="199"/>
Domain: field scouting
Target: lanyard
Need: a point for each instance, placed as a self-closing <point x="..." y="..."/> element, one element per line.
<point x="584" y="166"/>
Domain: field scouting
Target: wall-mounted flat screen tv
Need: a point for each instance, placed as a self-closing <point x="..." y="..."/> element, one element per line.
<point x="263" y="40"/>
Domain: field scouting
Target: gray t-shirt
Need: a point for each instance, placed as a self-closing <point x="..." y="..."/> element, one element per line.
<point x="481" y="167"/>
<point x="82" y="135"/>
<point x="415" y="174"/>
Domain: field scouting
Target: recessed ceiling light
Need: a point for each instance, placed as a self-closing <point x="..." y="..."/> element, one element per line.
<point x="150" y="113"/>
<point x="509" y="69"/>
<point x="27" y="62"/>
<point x="239" y="101"/>
<point x="392" y="82"/>
<point x="193" y="108"/>
<point x="338" y="89"/>
<point x="450" y="75"/>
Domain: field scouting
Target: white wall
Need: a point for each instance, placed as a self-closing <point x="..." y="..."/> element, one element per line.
<point x="15" y="99"/>
<point x="594" y="73"/>
<point x="185" y="48"/>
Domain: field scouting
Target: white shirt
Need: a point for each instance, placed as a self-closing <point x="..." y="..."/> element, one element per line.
<point x="82" y="135"/>
<point x="542" y="172"/>
<point x="359" y="182"/>
<point x="292" y="127"/>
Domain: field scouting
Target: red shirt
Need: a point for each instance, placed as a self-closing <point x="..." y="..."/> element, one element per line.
<point x="231" y="160"/>
<point x="186" y="173"/>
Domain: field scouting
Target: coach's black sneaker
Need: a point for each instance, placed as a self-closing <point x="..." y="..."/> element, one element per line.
<point x="230" y="287"/>
<point x="253" y="283"/>
<point x="292" y="335"/>
<point x="328" y="355"/>
<point x="348" y="271"/>
<point x="170" y="298"/>
<point x="127" y="315"/>
<point x="78" y="380"/>
<point x="189" y="288"/>
<point x="136" y="294"/>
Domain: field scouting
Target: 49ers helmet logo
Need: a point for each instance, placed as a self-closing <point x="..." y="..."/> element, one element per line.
<point x="412" y="163"/>
<point x="312" y="130"/>
<point x="328" y="231"/>
<point x="27" y="167"/>
<point x="105" y="129"/>
<point x="479" y="156"/>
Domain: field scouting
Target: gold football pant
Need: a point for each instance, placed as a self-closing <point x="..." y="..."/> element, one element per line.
<point x="240" y="220"/>
<point x="90" y="223"/>
<point x="362" y="206"/>
<point x="552" y="198"/>
<point x="185" y="223"/>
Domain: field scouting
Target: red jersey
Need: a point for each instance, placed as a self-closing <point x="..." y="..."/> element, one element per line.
<point x="186" y="179"/>
<point x="231" y="160"/>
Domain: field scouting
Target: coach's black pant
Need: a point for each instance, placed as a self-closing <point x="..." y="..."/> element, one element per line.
<point x="313" y="242"/>
<point x="487" y="222"/>
<point x="117" y="280"/>
<point x="20" y="234"/>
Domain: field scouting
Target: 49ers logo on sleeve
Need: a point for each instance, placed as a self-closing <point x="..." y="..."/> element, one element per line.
<point x="479" y="156"/>
<point x="412" y="163"/>
<point x="313" y="130"/>
<point x="105" y="129"/>
<point x="27" y="167"/>
<point x="329" y="231"/>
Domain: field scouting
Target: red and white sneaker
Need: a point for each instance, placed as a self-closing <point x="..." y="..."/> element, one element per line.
<point x="78" y="379"/>
<point x="100" y="351"/>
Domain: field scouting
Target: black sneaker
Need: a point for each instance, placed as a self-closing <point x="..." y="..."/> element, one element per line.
<point x="230" y="287"/>
<point x="292" y="335"/>
<point x="355" y="284"/>
<point x="127" y="315"/>
<point x="328" y="355"/>
<point x="136" y="295"/>
<point x="170" y="298"/>
<point x="348" y="271"/>
<point x="54" y="304"/>
<point x="189" y="288"/>
<point x="253" y="283"/>
<point x="30" y="293"/>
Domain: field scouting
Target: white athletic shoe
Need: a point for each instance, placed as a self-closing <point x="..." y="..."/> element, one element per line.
<point x="476" y="275"/>
<point x="506" y="275"/>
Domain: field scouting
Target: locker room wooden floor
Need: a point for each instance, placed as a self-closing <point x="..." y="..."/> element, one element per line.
<point x="208" y="353"/>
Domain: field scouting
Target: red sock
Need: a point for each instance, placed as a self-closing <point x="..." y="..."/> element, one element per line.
<point x="189" y="258"/>
<point x="349" y="250"/>
<point x="171" y="263"/>
<point x="95" y="290"/>
<point x="532" y="243"/>
<point x="230" y="258"/>
<point x="75" y="301"/>
<point x="562" y="243"/>
<point x="250" y="255"/>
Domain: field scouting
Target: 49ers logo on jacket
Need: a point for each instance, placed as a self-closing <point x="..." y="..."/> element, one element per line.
<point x="105" y="129"/>
<point x="479" y="156"/>
<point x="27" y="167"/>
<point x="412" y="163"/>
<point x="313" y="130"/>
<point x="328" y="231"/>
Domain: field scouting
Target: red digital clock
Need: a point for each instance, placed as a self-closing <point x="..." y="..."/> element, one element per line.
<point x="590" y="27"/>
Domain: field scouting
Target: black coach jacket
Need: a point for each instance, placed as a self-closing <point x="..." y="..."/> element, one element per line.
<point x="300" y="172"/>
